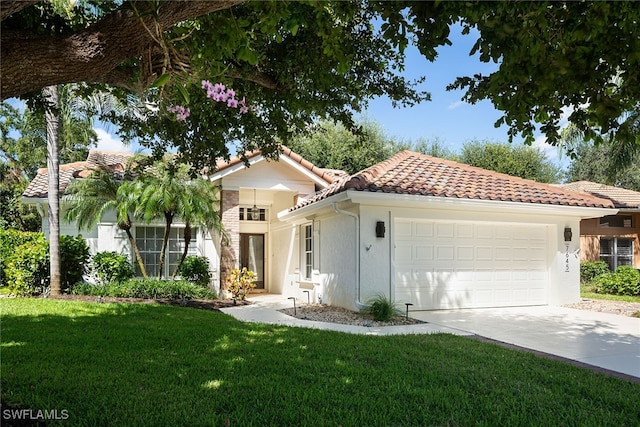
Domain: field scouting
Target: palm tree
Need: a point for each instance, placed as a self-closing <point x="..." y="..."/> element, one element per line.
<point x="92" y="197"/>
<point x="197" y="209"/>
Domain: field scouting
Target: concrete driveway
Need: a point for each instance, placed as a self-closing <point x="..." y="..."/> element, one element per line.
<point x="605" y="340"/>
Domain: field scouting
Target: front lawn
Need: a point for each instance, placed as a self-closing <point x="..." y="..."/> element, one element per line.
<point x="158" y="365"/>
<point x="587" y="291"/>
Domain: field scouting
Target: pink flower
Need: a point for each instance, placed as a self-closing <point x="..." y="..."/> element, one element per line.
<point x="181" y="112"/>
<point x="244" y="110"/>
<point x="232" y="102"/>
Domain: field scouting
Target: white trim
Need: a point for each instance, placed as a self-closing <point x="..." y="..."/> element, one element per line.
<point x="312" y="176"/>
<point x="235" y="168"/>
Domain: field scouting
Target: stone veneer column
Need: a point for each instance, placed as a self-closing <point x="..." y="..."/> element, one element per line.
<point x="230" y="247"/>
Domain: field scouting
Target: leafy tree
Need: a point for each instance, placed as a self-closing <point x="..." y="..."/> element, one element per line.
<point x="516" y="160"/>
<point x="436" y="148"/>
<point x="90" y="198"/>
<point x="303" y="60"/>
<point x="593" y="163"/>
<point x="331" y="145"/>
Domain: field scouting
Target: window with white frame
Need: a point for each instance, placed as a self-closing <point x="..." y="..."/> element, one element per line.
<point x="616" y="251"/>
<point x="149" y="241"/>
<point x="307" y="251"/>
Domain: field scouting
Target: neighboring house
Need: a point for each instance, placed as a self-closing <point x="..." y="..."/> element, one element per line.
<point x="612" y="238"/>
<point x="425" y="231"/>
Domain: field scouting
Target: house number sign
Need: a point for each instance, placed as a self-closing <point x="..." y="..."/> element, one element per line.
<point x="566" y="258"/>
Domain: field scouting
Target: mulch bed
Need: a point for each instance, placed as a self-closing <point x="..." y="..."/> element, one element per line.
<point x="216" y="304"/>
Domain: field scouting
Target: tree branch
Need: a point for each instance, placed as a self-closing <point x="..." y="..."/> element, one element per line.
<point x="9" y="7"/>
<point x="29" y="62"/>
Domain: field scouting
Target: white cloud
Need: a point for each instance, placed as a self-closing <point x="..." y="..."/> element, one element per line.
<point x="455" y="105"/>
<point x="108" y="142"/>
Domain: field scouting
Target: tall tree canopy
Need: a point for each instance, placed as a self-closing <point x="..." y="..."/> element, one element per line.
<point x="516" y="160"/>
<point x="296" y="61"/>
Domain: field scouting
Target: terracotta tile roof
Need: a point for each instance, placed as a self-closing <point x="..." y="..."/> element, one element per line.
<point x="621" y="197"/>
<point x="328" y="175"/>
<point x="418" y="174"/>
<point x="39" y="186"/>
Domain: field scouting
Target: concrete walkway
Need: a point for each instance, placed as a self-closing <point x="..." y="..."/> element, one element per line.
<point x="606" y="341"/>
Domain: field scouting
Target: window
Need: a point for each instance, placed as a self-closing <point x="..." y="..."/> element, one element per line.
<point x="616" y="252"/>
<point x="245" y="214"/>
<point x="149" y="241"/>
<point x="617" y="221"/>
<point x="307" y="252"/>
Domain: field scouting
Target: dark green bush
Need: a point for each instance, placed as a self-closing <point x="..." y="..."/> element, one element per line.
<point x="145" y="288"/>
<point x="112" y="267"/>
<point x="195" y="269"/>
<point x="589" y="270"/>
<point x="28" y="266"/>
<point x="9" y="241"/>
<point x="625" y="281"/>
<point x="381" y="308"/>
<point x="74" y="256"/>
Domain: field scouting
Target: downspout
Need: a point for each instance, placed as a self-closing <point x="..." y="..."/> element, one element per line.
<point x="359" y="303"/>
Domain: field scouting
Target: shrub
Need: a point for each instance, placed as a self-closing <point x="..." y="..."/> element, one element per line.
<point x="589" y="270"/>
<point x="112" y="267"/>
<point x="625" y="281"/>
<point x="195" y="269"/>
<point x="9" y="241"/>
<point x="74" y="255"/>
<point x="28" y="268"/>
<point x="240" y="283"/>
<point x="145" y="288"/>
<point x="381" y="308"/>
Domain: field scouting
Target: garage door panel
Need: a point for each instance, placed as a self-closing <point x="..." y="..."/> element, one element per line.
<point x="480" y="265"/>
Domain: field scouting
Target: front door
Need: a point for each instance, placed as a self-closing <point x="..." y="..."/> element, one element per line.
<point x="252" y="255"/>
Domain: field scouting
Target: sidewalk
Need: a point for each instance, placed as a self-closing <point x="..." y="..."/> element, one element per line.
<point x="265" y="310"/>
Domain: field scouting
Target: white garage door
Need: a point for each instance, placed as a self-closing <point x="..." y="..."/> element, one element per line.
<point x="442" y="265"/>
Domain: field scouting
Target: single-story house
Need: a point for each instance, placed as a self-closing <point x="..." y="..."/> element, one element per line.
<point x="425" y="231"/>
<point x="611" y="238"/>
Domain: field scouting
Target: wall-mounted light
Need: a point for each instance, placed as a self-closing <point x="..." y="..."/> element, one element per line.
<point x="568" y="234"/>
<point x="380" y="229"/>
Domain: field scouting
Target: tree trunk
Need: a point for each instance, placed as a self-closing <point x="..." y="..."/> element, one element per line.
<point x="187" y="240"/>
<point x="136" y="251"/>
<point x="165" y="239"/>
<point x="53" y="171"/>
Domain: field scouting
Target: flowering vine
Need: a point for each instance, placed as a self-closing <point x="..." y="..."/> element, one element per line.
<point x="217" y="92"/>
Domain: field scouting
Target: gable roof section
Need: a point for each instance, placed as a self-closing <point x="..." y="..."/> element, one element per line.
<point x="329" y="176"/>
<point x="39" y="186"/>
<point x="421" y="175"/>
<point x="620" y="197"/>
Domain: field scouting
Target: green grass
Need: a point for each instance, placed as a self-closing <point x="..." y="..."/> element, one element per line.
<point x="157" y="365"/>
<point x="586" y="291"/>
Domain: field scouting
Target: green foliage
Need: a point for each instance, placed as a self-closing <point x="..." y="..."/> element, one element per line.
<point x="331" y="145"/>
<point x="74" y="256"/>
<point x="9" y="241"/>
<point x="28" y="268"/>
<point x="515" y="160"/>
<point x="240" y="283"/>
<point x="145" y="288"/>
<point x="595" y="163"/>
<point x="624" y="281"/>
<point x="112" y="267"/>
<point x="195" y="269"/>
<point x="589" y="270"/>
<point x="381" y="308"/>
